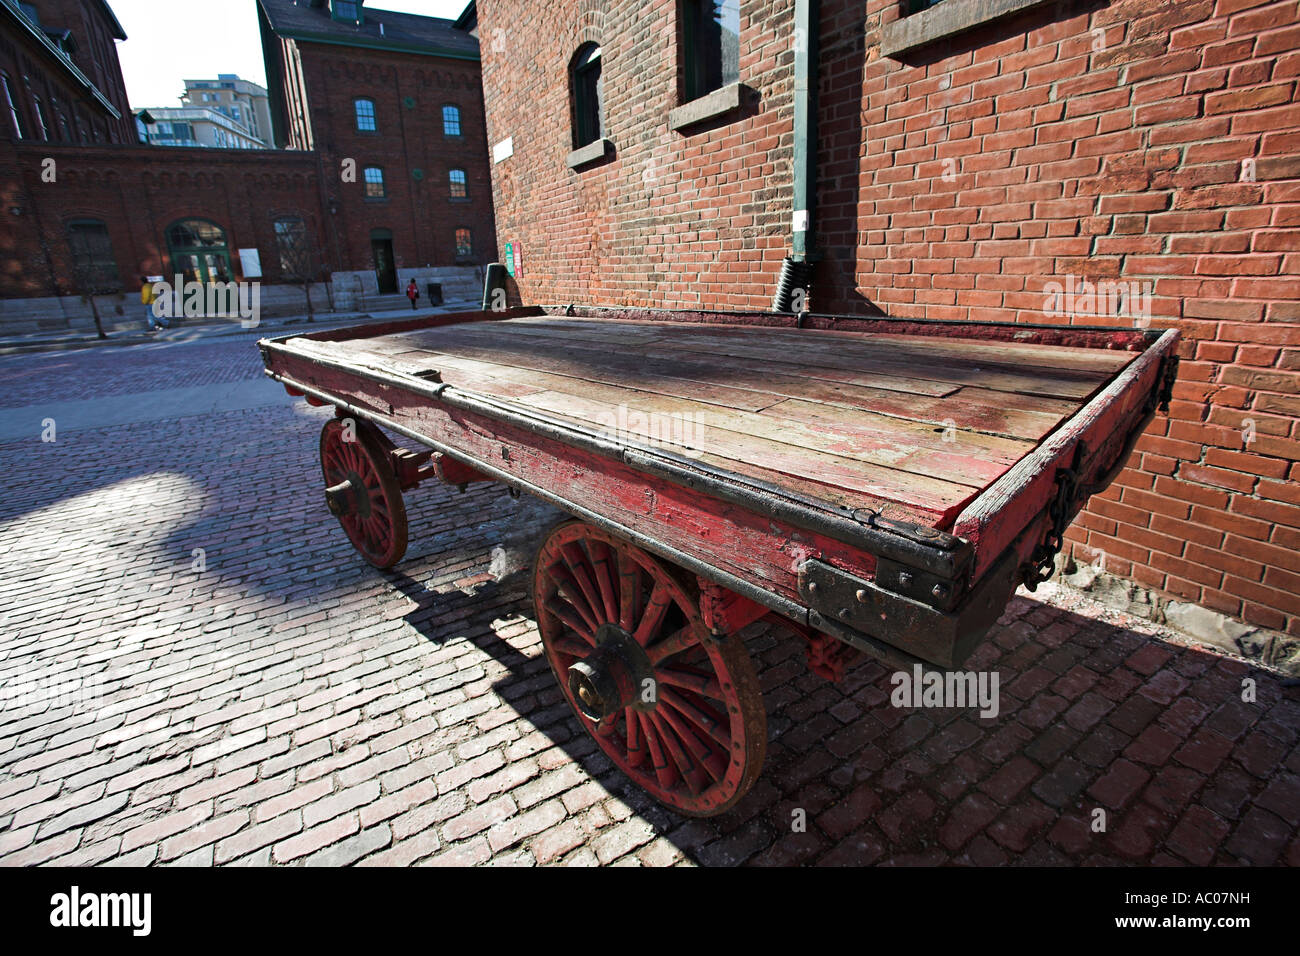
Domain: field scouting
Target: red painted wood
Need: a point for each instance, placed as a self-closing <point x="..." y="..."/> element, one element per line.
<point x="993" y="520"/>
<point x="745" y="543"/>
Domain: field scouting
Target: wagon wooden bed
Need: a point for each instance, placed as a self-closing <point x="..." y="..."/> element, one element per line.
<point x="878" y="486"/>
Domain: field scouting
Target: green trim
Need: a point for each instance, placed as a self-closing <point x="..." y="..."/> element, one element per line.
<point x="374" y="44"/>
<point x="358" y="19"/>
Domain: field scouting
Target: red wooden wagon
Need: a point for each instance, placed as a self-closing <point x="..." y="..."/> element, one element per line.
<point x="876" y="485"/>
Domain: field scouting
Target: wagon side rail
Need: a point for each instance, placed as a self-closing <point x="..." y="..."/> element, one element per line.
<point x="1028" y="509"/>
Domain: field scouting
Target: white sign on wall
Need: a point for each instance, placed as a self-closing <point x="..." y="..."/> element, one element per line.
<point x="250" y="263"/>
<point x="503" y="150"/>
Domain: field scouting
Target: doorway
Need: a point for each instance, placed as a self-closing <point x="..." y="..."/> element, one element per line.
<point x="381" y="250"/>
<point x="199" y="251"/>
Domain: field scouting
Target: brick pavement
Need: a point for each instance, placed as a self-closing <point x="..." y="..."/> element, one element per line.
<point x="283" y="703"/>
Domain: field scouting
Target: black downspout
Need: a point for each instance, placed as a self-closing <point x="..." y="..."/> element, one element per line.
<point x="797" y="269"/>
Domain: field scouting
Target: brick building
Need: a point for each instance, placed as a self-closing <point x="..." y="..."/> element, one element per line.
<point x="59" y="75"/>
<point x="970" y="159"/>
<point x="392" y="98"/>
<point x="392" y="102"/>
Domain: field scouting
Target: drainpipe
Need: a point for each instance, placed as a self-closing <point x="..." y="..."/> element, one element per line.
<point x="796" y="271"/>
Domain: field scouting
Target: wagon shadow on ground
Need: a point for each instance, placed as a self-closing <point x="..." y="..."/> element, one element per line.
<point x="1097" y="722"/>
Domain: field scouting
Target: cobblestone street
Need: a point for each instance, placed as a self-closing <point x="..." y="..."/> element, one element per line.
<point x="198" y="669"/>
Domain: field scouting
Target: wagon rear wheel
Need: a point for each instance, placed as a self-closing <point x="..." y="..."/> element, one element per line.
<point x="362" y="491"/>
<point x="678" y="711"/>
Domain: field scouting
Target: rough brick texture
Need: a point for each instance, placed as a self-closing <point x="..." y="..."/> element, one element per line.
<point x="138" y="192"/>
<point x="1123" y="142"/>
<point x="72" y="113"/>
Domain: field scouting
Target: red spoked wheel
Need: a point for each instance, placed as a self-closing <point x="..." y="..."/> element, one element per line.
<point x="677" y="710"/>
<point x="362" y="491"/>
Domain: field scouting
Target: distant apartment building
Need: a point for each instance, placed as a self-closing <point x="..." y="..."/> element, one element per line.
<point x="242" y="101"/>
<point x="196" y="126"/>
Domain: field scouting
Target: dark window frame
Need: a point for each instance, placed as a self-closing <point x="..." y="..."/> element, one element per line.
<point x="587" y="94"/>
<point x="357" y="115"/>
<point x="455" y="120"/>
<point x="465" y="251"/>
<point x="462" y="182"/>
<point x="100" y="264"/>
<point x="381" y="182"/>
<point x="708" y="61"/>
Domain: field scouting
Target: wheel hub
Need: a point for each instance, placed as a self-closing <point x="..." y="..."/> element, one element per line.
<point x="348" y="497"/>
<point x="615" y="676"/>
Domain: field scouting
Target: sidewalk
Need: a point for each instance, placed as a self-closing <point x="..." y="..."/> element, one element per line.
<point x="47" y="342"/>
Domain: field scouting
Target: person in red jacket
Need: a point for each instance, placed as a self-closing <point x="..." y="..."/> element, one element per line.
<point x="413" y="293"/>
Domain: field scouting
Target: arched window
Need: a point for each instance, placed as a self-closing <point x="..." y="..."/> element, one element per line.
<point x="296" y="255"/>
<point x="199" y="251"/>
<point x="373" y="177"/>
<point x="464" y="244"/>
<point x="94" y="269"/>
<point x="459" y="189"/>
<point x="365" y="110"/>
<point x="588" y="93"/>
<point x="451" y="121"/>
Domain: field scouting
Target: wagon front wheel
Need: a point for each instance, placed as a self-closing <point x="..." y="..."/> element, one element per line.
<point x="362" y="491"/>
<point x="677" y="710"/>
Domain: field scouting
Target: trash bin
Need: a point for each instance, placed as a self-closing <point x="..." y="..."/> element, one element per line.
<point x="435" y="293"/>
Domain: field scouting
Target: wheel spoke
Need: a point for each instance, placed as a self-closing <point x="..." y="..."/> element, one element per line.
<point x="571" y="646"/>
<point x="604" y="579"/>
<point x="571" y="620"/>
<point x="712" y="761"/>
<point x="702" y="684"/>
<point x="663" y="773"/>
<point x="707" y="723"/>
<point x="629" y="591"/>
<point x="674" y="643"/>
<point x="655" y="610"/>
<point x="687" y="767"/>
<point x="636" y="753"/>
<point x="568" y="589"/>
<point x="577" y="561"/>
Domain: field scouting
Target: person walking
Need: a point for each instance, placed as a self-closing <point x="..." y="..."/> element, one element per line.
<point x="148" y="297"/>
<point x="413" y="293"/>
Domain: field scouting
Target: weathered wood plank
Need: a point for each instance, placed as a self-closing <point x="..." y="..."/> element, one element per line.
<point x="804" y="349"/>
<point x="440" y="340"/>
<point x="697" y="375"/>
<point x="970" y="458"/>
<point x="935" y="495"/>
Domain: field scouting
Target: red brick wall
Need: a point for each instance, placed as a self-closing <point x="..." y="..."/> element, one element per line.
<point x="419" y="212"/>
<point x="96" y="53"/>
<point x="34" y="73"/>
<point x="1134" y="141"/>
<point x="138" y="197"/>
<point x="673" y="220"/>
